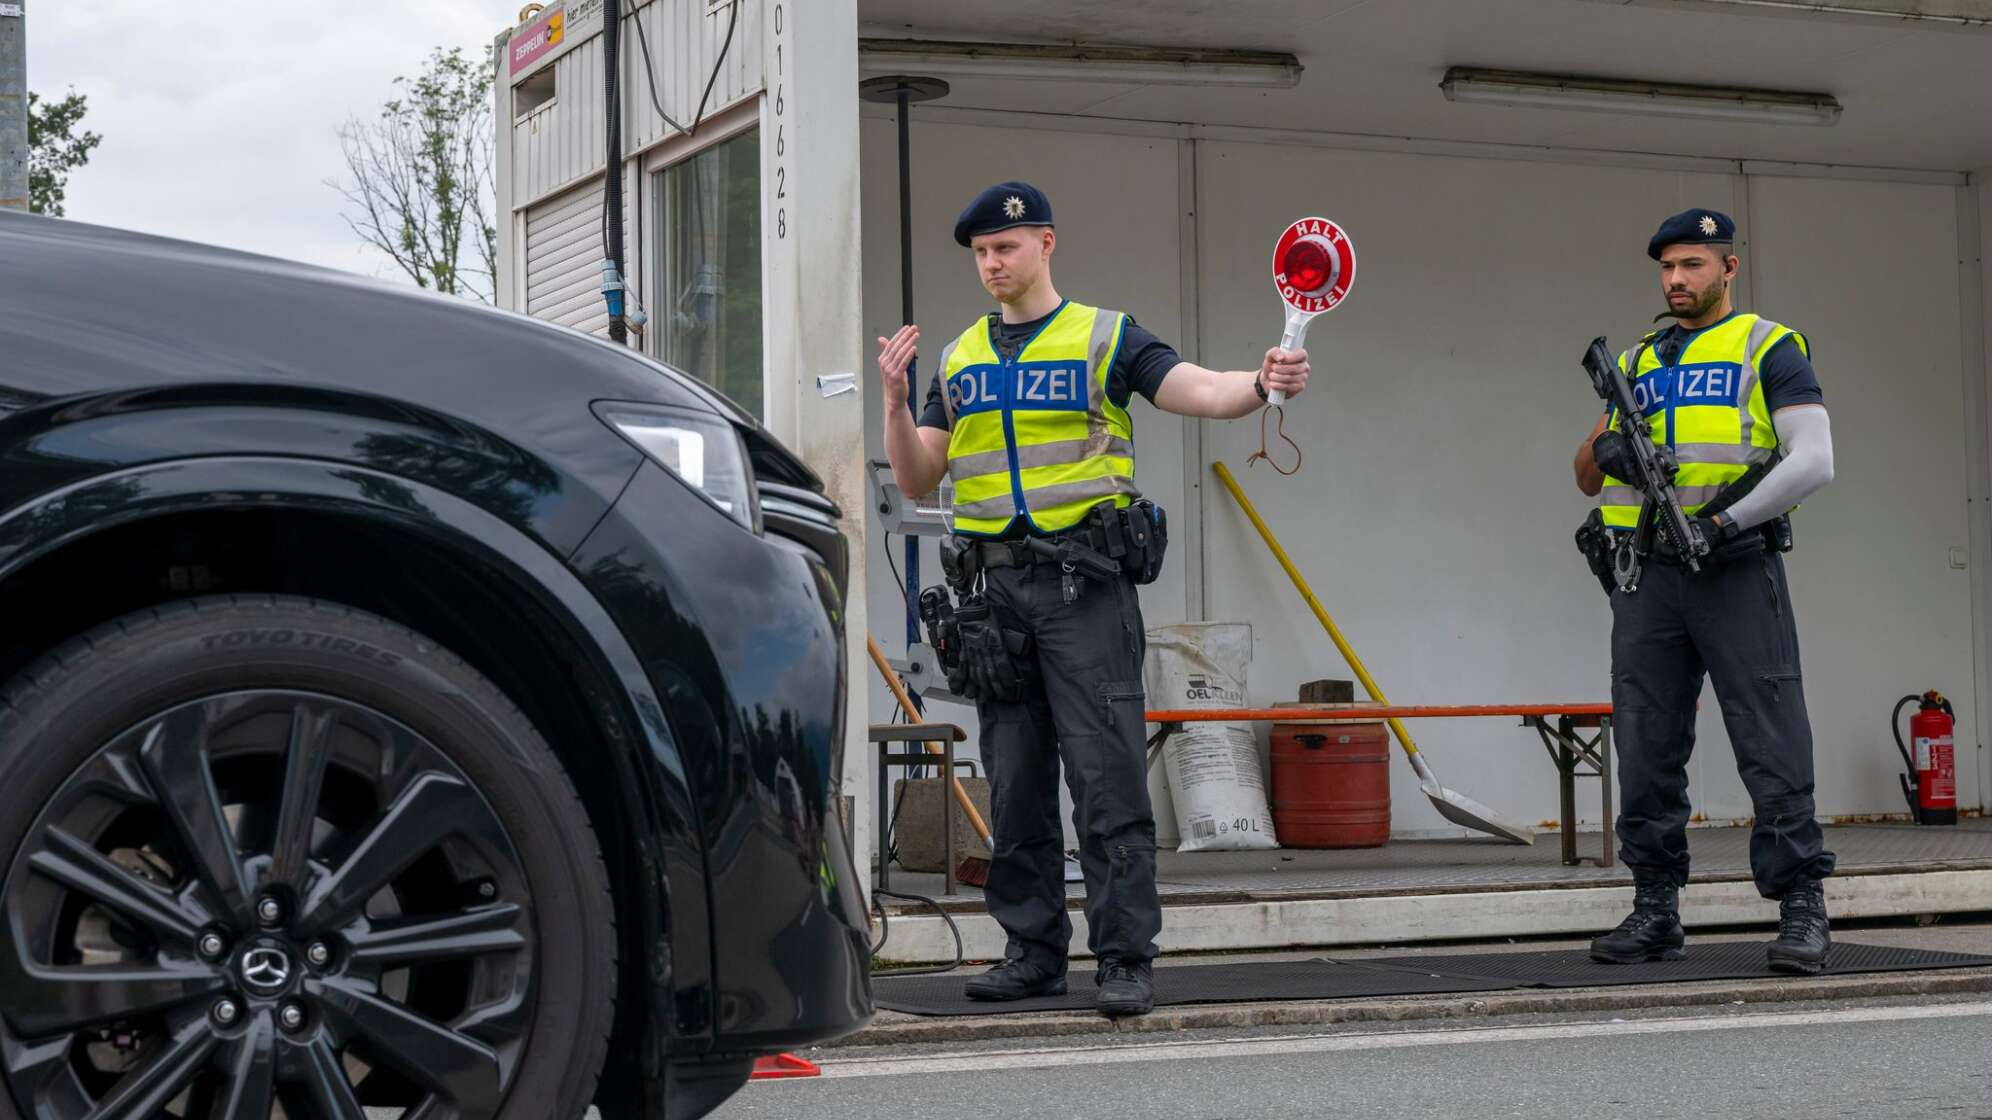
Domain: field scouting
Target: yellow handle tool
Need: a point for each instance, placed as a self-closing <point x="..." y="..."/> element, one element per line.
<point x="1307" y="593"/>
<point x="905" y="701"/>
<point x="1451" y="804"/>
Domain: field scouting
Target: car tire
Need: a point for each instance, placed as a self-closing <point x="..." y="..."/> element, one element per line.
<point x="321" y="819"/>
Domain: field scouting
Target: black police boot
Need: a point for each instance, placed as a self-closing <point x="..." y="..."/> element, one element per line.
<point x="1125" y="989"/>
<point x="1015" y="980"/>
<point x="1803" y="933"/>
<point x="1652" y="932"/>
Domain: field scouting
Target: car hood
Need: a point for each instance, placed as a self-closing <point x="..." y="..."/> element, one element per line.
<point x="94" y="309"/>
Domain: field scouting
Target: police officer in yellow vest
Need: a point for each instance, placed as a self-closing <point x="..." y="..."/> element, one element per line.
<point x="1028" y="411"/>
<point x="1735" y="397"/>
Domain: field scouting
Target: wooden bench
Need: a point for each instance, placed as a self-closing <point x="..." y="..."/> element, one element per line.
<point x="1579" y="742"/>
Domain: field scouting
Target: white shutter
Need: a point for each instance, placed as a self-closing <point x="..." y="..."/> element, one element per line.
<point x="564" y="260"/>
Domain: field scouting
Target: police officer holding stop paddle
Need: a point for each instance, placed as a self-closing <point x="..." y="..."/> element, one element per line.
<point x="1028" y="411"/>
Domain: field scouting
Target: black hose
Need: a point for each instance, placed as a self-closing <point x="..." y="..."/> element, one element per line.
<point x="887" y="850"/>
<point x="885" y="933"/>
<point x="650" y="76"/>
<point x="612" y="193"/>
<point x="1895" y="727"/>
<point x="712" y="79"/>
<point x="650" y="72"/>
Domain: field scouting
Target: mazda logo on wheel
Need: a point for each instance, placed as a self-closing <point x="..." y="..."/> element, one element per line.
<point x="266" y="969"/>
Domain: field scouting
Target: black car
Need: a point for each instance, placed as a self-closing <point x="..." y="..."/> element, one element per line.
<point x="412" y="706"/>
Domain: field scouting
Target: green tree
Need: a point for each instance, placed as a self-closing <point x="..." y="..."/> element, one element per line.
<point x="56" y="146"/>
<point x="419" y="182"/>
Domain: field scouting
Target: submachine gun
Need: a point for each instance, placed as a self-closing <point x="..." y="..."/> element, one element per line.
<point x="1655" y="465"/>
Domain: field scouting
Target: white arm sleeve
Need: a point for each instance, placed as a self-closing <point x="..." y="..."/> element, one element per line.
<point x="1805" y="435"/>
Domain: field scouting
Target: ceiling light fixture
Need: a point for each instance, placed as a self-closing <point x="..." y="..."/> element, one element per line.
<point x="1080" y="63"/>
<point x="1660" y="99"/>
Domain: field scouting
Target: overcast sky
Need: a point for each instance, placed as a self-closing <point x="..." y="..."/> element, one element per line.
<point x="220" y="121"/>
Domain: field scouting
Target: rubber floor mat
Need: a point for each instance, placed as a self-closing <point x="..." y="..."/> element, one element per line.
<point x="1320" y="978"/>
<point x="1185" y="984"/>
<point x="1725" y="960"/>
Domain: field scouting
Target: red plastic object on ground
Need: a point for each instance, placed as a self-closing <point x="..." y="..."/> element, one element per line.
<point x="783" y="1065"/>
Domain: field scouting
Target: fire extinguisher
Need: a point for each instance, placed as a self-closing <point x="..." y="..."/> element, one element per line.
<point x="1931" y="783"/>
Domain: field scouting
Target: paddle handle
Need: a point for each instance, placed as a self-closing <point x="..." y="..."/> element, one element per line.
<point x="1290" y="339"/>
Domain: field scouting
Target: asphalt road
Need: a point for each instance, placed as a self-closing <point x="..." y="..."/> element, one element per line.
<point x="1928" y="1058"/>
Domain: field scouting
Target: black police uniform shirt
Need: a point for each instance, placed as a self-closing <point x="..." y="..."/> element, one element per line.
<point x="1139" y="367"/>
<point x="1785" y="372"/>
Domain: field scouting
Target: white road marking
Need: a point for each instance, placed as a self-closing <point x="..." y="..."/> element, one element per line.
<point x="1050" y="1057"/>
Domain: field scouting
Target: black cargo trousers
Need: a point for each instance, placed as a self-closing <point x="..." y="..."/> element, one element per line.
<point x="1732" y="620"/>
<point x="1084" y="705"/>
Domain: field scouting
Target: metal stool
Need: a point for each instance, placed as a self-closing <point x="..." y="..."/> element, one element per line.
<point x="945" y="734"/>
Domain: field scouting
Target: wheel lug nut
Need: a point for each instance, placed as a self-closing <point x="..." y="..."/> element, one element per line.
<point x="320" y="954"/>
<point x="211" y="946"/>
<point x="270" y="911"/>
<point x="291" y="1016"/>
<point x="225" y="1012"/>
<point x="488" y="889"/>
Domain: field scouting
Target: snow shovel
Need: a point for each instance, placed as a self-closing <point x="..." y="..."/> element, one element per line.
<point x="1452" y="805"/>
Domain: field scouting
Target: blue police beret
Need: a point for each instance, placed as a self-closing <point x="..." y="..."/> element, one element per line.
<point x="1003" y="206"/>
<point x="1692" y="227"/>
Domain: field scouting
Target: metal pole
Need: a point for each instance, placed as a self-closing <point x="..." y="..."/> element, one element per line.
<point x="906" y="316"/>
<point x="13" y="105"/>
<point x="905" y="210"/>
<point x="903" y="91"/>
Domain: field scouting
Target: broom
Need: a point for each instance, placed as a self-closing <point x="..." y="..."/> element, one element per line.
<point x="972" y="870"/>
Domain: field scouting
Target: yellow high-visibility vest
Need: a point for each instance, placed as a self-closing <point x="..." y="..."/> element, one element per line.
<point x="1036" y="437"/>
<point x="1708" y="406"/>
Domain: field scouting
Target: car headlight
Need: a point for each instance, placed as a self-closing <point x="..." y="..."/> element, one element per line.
<point x="703" y="450"/>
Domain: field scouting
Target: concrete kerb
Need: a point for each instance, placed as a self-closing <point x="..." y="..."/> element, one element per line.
<point x="1293" y="922"/>
<point x="896" y="1029"/>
